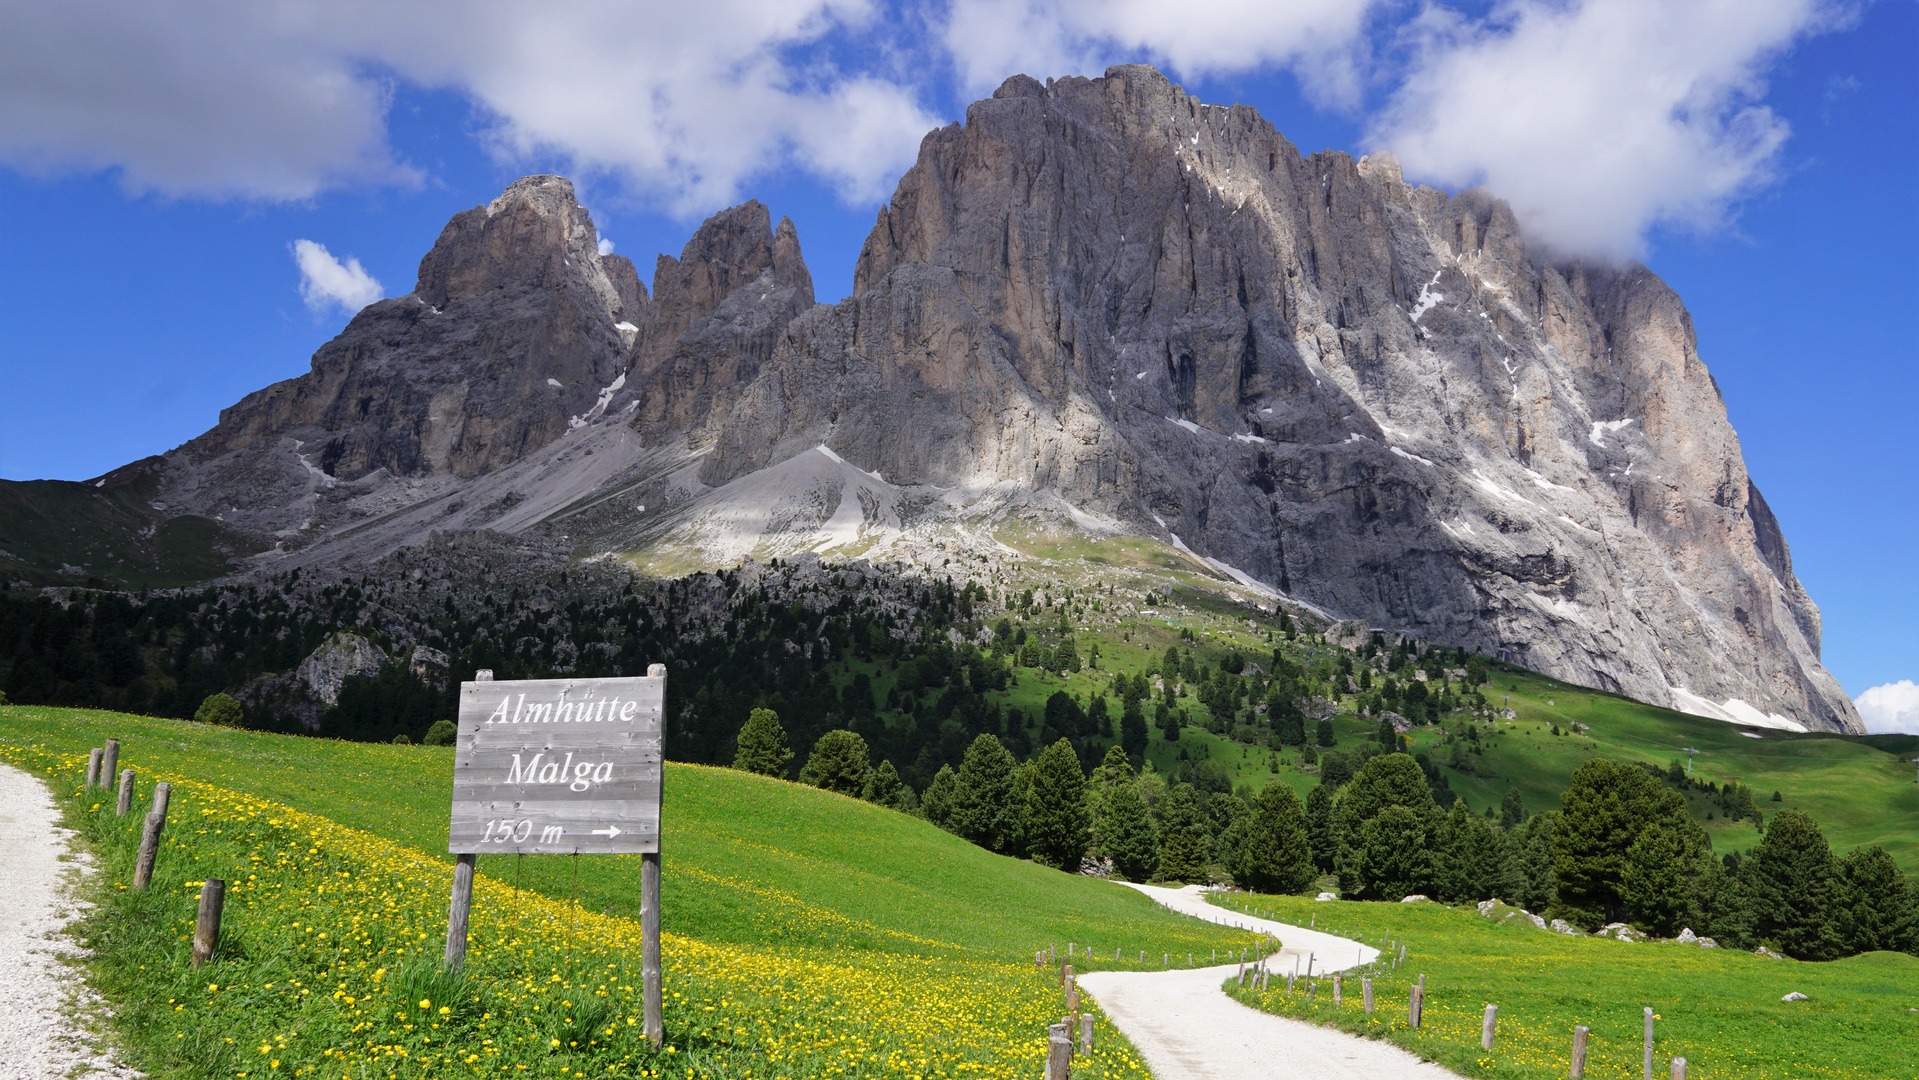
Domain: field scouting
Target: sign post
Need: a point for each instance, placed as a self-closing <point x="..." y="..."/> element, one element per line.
<point x="561" y="767"/>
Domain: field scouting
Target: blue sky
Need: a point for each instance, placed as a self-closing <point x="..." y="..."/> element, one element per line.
<point x="154" y="177"/>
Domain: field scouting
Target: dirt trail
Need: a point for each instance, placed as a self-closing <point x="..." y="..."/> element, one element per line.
<point x="37" y="1037"/>
<point x="1188" y="1029"/>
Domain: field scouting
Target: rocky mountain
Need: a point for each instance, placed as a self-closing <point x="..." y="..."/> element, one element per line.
<point x="1098" y="305"/>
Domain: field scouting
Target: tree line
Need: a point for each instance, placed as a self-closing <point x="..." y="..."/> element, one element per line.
<point x="1622" y="848"/>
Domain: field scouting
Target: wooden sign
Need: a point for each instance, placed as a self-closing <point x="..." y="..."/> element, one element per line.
<point x="558" y="766"/>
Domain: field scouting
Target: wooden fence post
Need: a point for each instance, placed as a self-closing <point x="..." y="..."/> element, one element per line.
<point x="126" y="793"/>
<point x="1488" y="1026"/>
<point x="1413" y="1003"/>
<point x="1065" y="976"/>
<point x="1059" y="1053"/>
<point x="1039" y="958"/>
<point x="652" y="989"/>
<point x="93" y="768"/>
<point x="1678" y="1069"/>
<point x="150" y="836"/>
<point x="110" y="762"/>
<point x="1579" y="1052"/>
<point x="1339" y="995"/>
<point x="1648" y="1070"/>
<point x="1366" y="990"/>
<point x="458" y="909"/>
<point x="1086" y="1033"/>
<point x="206" y="928"/>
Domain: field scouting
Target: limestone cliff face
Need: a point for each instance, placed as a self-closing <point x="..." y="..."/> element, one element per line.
<point x="1375" y="397"/>
<point x="515" y="326"/>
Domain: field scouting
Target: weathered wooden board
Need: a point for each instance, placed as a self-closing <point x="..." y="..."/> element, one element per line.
<point x="558" y="766"/>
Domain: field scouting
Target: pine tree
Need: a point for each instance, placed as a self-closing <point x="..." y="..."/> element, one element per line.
<point x="1878" y="911"/>
<point x="762" y="745"/>
<point x="1604" y="811"/>
<point x="1468" y="855"/>
<point x="1660" y="878"/>
<point x="936" y="802"/>
<point x="1182" y="837"/>
<point x="1323" y="733"/>
<point x="1720" y="907"/>
<point x="1127" y="834"/>
<point x="1319" y="827"/>
<point x="1273" y="854"/>
<point x="1790" y="876"/>
<point x="1512" y="809"/>
<point x="838" y="763"/>
<point x="1393" y="855"/>
<point x="1133" y="732"/>
<point x="1384" y="781"/>
<point x="1056" y="817"/>
<point x="982" y="807"/>
<point x="882" y="785"/>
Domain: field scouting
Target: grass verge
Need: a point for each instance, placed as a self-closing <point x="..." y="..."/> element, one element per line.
<point x="1718" y="1009"/>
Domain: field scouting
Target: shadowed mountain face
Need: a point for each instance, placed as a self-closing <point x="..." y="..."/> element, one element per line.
<point x="1104" y="296"/>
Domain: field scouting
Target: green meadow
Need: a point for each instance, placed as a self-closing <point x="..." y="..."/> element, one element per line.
<point x="1720" y="1009"/>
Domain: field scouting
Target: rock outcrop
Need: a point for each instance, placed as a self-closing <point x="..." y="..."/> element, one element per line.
<point x="1377" y="399"/>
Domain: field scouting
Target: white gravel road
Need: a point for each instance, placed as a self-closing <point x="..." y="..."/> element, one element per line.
<point x="1188" y="1029"/>
<point x="38" y="1037"/>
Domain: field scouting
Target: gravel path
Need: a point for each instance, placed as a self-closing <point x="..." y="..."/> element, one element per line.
<point x="38" y="1038"/>
<point x="1188" y="1029"/>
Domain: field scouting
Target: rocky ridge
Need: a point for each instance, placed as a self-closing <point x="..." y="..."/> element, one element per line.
<point x="1102" y="304"/>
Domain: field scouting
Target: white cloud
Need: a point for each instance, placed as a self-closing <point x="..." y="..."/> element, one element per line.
<point x="1320" y="39"/>
<point x="325" y="281"/>
<point x="679" y="103"/>
<point x="1597" y="119"/>
<point x="606" y="246"/>
<point x="1892" y="707"/>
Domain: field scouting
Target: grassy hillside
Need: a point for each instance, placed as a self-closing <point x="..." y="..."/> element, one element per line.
<point x="1719" y="1009"/>
<point x="747" y="860"/>
<point x="804" y="934"/>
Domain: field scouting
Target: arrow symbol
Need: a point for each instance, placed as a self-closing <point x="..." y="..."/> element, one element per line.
<point x="609" y="832"/>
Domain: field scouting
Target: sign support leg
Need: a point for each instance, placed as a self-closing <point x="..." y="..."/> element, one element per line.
<point x="456" y="916"/>
<point x="650" y="947"/>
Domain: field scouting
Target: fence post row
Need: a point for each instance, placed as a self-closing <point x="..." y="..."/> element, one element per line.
<point x="206" y="927"/>
<point x="150" y="836"/>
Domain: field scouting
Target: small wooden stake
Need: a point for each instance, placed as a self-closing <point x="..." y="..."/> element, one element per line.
<point x="1488" y="1026"/>
<point x="110" y="762"/>
<point x="93" y="768"/>
<point x="126" y="793"/>
<point x="1678" y="1069"/>
<point x="1086" y="1033"/>
<point x="1059" y="1053"/>
<point x="1339" y="995"/>
<point x="1065" y="976"/>
<point x="206" y="928"/>
<point x="1648" y="1071"/>
<point x="150" y="836"/>
<point x="1579" y="1052"/>
<point x="1413" y="1003"/>
<point x="1366" y="990"/>
<point x="459" y="908"/>
<point x="1072" y="999"/>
